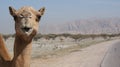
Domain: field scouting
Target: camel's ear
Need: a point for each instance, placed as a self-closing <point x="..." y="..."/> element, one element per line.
<point x="12" y="11"/>
<point x="41" y="11"/>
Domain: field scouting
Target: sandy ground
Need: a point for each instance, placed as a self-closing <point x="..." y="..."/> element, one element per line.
<point x="87" y="57"/>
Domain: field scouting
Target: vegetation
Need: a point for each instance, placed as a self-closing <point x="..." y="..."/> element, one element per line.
<point x="8" y="35"/>
<point x="74" y="36"/>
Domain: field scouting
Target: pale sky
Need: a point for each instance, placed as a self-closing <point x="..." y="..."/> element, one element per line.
<point x="60" y="11"/>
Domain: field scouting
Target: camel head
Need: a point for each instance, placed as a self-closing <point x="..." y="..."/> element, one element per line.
<point x="26" y="21"/>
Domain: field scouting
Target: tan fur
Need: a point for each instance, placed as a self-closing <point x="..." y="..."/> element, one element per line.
<point x="26" y="26"/>
<point x="3" y="50"/>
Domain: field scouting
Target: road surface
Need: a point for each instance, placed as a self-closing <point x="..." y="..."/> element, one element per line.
<point x="112" y="57"/>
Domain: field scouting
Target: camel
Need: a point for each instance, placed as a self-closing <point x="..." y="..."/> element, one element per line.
<point x="26" y="27"/>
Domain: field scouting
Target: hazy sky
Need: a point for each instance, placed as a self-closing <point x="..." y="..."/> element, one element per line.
<point x="60" y="11"/>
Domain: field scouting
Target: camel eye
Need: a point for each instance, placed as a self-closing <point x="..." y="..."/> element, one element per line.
<point x="38" y="18"/>
<point x="21" y="16"/>
<point x="30" y="16"/>
<point x="15" y="17"/>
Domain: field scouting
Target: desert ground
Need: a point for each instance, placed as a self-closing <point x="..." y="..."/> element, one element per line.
<point x="69" y="52"/>
<point x="88" y="57"/>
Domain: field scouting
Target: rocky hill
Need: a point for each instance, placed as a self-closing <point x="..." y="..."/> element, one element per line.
<point x="85" y="26"/>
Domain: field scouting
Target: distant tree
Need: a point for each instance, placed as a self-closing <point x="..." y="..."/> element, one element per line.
<point x="38" y="36"/>
<point x="76" y="37"/>
<point x="52" y="36"/>
<point x="104" y="36"/>
<point x="7" y="36"/>
<point x="65" y="35"/>
<point x="93" y="36"/>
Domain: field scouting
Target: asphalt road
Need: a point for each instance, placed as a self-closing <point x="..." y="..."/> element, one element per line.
<point x="112" y="57"/>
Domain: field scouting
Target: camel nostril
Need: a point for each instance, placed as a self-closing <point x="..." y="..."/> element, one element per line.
<point x="26" y="29"/>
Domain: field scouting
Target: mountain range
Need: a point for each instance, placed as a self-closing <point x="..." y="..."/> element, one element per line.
<point x="84" y="26"/>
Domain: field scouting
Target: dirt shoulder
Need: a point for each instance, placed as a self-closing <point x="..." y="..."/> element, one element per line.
<point x="87" y="57"/>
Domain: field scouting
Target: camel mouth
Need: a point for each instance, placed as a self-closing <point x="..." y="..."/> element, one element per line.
<point x="26" y="29"/>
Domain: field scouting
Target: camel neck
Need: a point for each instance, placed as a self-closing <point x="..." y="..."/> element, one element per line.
<point x="22" y="51"/>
